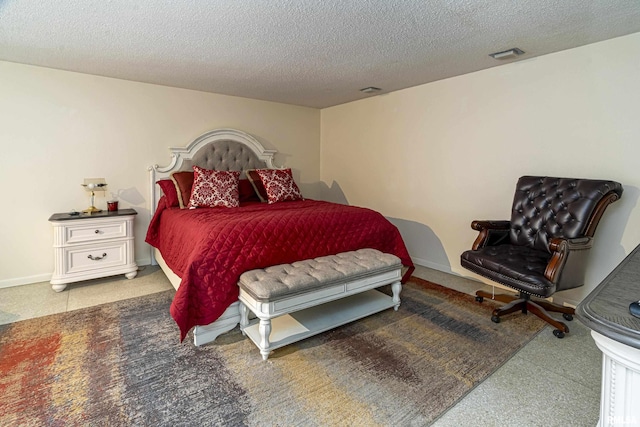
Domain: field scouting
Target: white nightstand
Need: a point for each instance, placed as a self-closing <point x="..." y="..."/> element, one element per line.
<point x="92" y="246"/>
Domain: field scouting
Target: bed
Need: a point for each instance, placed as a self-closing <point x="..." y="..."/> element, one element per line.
<point x="203" y="252"/>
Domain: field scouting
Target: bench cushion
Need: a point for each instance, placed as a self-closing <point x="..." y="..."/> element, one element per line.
<point x="282" y="280"/>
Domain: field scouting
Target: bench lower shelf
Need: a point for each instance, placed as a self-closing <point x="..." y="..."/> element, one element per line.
<point x="293" y="327"/>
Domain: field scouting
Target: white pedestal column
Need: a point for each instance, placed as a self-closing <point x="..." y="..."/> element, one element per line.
<point x="620" y="397"/>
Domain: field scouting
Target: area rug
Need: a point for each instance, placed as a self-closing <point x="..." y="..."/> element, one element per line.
<point x="122" y="364"/>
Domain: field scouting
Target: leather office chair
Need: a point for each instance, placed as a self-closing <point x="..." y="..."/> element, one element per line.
<point x="544" y="248"/>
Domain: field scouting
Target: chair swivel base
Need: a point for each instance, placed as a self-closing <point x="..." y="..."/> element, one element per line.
<point x="524" y="304"/>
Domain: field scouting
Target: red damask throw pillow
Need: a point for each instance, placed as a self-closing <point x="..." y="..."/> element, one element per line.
<point x="279" y="185"/>
<point x="214" y="188"/>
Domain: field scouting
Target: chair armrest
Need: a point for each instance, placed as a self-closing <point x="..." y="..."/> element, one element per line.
<point x="480" y="225"/>
<point x="491" y="233"/>
<point x="568" y="257"/>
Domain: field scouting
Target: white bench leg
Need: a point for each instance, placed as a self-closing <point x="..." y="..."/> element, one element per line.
<point x="244" y="316"/>
<point x="396" y="287"/>
<point x="265" y="331"/>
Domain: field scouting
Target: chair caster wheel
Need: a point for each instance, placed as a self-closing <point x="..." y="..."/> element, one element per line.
<point x="558" y="333"/>
<point x="495" y="319"/>
<point x="567" y="316"/>
<point x="479" y="299"/>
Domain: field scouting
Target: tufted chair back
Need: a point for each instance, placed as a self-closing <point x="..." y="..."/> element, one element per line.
<point x="546" y="207"/>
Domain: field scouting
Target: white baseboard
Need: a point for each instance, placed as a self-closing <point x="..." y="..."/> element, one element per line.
<point x="557" y="298"/>
<point x="19" y="281"/>
<point x="45" y="277"/>
<point x="481" y="281"/>
<point x="430" y="264"/>
<point x="144" y="261"/>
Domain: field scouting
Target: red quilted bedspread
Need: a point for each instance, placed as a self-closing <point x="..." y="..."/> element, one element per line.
<point x="210" y="248"/>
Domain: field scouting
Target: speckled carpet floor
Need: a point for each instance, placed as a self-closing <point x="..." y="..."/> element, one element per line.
<point x="122" y="364"/>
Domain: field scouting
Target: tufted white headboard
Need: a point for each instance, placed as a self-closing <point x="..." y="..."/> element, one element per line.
<point x="220" y="149"/>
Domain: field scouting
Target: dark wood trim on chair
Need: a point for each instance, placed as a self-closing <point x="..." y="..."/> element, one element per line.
<point x="490" y="232"/>
<point x="607" y="199"/>
<point x="560" y="250"/>
<point x="525" y="304"/>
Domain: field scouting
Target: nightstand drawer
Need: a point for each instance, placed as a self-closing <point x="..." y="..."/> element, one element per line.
<point x="95" y="257"/>
<point x="91" y="232"/>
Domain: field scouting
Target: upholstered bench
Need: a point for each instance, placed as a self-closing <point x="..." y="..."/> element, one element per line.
<point x="296" y="301"/>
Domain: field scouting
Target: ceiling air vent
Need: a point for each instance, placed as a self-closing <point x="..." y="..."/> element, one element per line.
<point x="507" y="54"/>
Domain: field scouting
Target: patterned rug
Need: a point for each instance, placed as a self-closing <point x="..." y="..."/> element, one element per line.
<point x="121" y="364"/>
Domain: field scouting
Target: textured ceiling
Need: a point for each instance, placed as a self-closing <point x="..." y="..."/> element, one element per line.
<point x="315" y="53"/>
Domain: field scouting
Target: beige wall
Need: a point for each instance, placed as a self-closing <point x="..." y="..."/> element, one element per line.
<point x="57" y="128"/>
<point x="431" y="158"/>
<point x="437" y="156"/>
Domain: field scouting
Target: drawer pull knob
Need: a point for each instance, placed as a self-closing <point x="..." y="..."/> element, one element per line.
<point x="97" y="231"/>
<point x="97" y="258"/>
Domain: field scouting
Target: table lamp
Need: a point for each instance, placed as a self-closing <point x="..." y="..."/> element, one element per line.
<point x="92" y="185"/>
